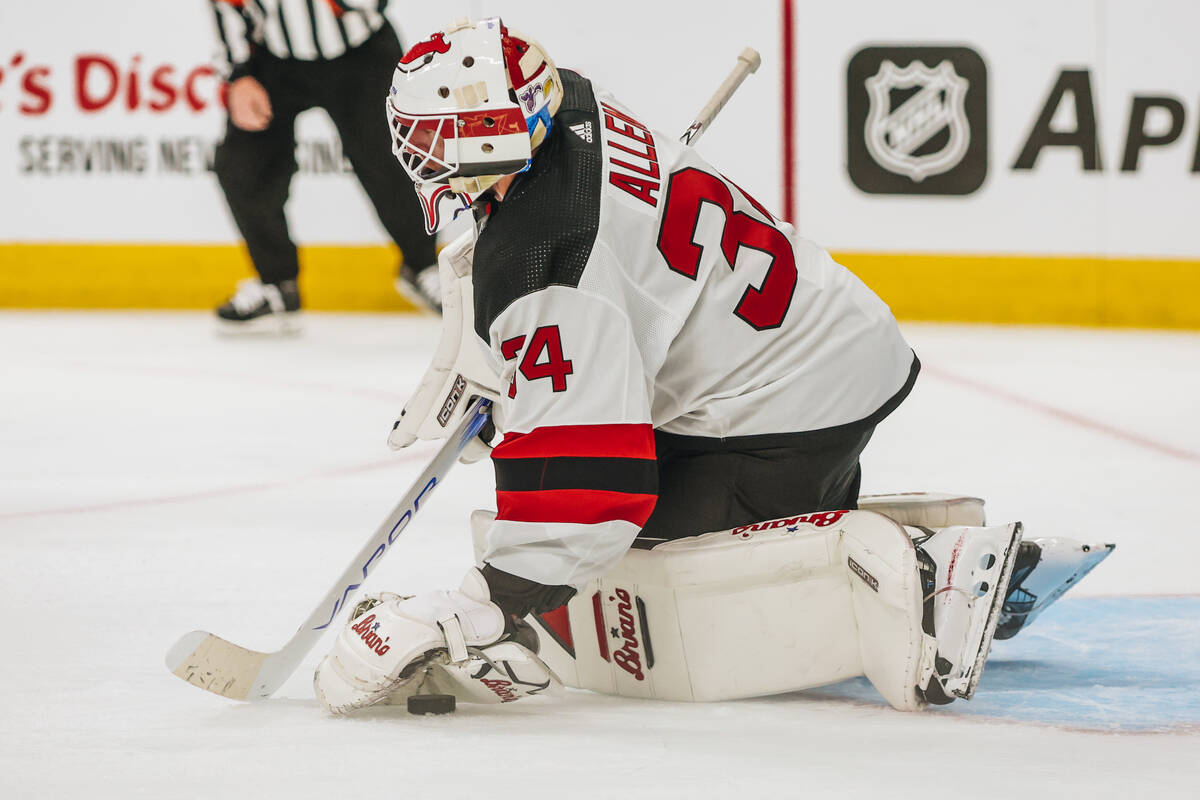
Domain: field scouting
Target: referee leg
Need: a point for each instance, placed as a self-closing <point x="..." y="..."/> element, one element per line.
<point x="255" y="171"/>
<point x="360" y="82"/>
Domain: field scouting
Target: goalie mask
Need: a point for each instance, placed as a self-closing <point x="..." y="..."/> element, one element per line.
<point x="467" y="107"/>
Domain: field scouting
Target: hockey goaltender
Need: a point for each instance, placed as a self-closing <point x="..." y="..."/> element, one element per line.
<point x="683" y="388"/>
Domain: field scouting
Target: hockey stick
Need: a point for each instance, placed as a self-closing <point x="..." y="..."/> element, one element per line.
<point x="748" y="62"/>
<point x="216" y="665"/>
<point x="221" y="667"/>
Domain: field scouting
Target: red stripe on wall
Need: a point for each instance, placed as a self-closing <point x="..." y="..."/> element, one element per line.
<point x="789" y="112"/>
<point x="597" y="441"/>
<point x="579" y="506"/>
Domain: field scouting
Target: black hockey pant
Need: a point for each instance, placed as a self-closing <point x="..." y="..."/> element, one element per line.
<point x="709" y="485"/>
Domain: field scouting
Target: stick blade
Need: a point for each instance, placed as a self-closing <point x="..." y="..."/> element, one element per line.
<point x="218" y="666"/>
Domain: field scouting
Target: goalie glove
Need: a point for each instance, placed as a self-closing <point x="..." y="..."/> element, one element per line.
<point x="460" y="369"/>
<point x="390" y="638"/>
<point x="447" y="642"/>
<point x="500" y="673"/>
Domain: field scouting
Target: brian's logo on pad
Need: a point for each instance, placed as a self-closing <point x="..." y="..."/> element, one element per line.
<point x="502" y="688"/>
<point x="917" y="120"/>
<point x="366" y="630"/>
<point x="818" y="519"/>
<point x="628" y="656"/>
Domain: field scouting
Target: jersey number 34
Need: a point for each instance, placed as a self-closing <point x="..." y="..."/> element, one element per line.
<point x="545" y="340"/>
<point x="762" y="307"/>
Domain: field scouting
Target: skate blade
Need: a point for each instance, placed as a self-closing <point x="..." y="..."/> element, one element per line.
<point x="1092" y="555"/>
<point x="280" y="325"/>
<point x="414" y="296"/>
<point x="993" y="617"/>
<point x="1050" y="579"/>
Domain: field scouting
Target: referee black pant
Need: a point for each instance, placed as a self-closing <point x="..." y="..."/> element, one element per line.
<point x="255" y="169"/>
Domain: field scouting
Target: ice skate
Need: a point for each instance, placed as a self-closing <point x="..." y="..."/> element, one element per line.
<point x="965" y="570"/>
<point x="1044" y="570"/>
<point x="420" y="286"/>
<point x="257" y="307"/>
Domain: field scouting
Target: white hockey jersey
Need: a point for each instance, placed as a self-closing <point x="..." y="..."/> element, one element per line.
<point x="624" y="285"/>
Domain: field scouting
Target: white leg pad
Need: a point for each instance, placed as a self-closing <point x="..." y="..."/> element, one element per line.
<point x="929" y="509"/>
<point x="757" y="610"/>
<point x="896" y="654"/>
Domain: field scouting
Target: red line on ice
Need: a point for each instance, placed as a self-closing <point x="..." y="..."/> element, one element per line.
<point x="211" y="493"/>
<point x="1064" y="415"/>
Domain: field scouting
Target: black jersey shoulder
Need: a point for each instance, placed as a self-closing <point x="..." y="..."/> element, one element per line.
<point x="543" y="232"/>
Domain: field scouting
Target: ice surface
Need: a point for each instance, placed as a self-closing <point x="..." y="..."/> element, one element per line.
<point x="155" y="478"/>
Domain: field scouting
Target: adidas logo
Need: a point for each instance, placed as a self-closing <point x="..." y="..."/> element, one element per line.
<point x="583" y="130"/>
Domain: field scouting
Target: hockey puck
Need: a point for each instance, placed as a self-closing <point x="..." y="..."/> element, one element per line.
<point x="431" y="704"/>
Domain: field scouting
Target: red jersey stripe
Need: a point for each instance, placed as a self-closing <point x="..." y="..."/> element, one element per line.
<point x="603" y="441"/>
<point x="579" y="506"/>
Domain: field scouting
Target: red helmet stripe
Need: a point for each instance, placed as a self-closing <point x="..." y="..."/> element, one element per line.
<point x="504" y="121"/>
<point x="442" y="126"/>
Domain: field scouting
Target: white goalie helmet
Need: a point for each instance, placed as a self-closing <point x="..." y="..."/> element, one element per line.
<point x="467" y="107"/>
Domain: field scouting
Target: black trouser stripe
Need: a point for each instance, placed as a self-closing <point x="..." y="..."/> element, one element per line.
<point x="631" y="475"/>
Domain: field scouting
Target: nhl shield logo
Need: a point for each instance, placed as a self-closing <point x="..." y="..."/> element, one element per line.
<point x="895" y="135"/>
<point x="917" y="120"/>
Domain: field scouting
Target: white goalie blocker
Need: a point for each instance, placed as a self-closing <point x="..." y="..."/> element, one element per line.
<point x="774" y="607"/>
<point x="460" y="369"/>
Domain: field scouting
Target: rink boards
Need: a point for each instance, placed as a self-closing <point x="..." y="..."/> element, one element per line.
<point x="1016" y="162"/>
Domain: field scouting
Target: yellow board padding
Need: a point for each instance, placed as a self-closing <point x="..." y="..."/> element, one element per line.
<point x="1057" y="290"/>
<point x="1136" y="292"/>
<point x="181" y="276"/>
